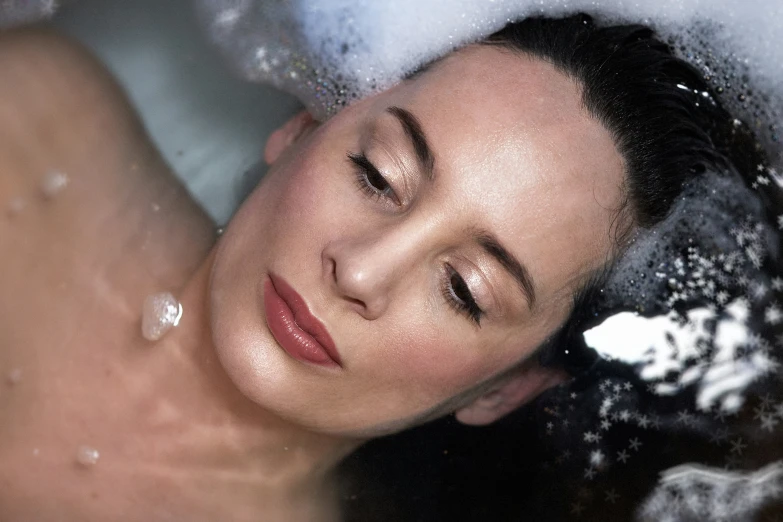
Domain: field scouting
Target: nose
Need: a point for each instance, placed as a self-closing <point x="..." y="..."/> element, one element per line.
<point x="366" y="270"/>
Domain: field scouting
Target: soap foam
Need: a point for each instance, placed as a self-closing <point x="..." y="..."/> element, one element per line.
<point x="702" y="283"/>
<point x="701" y="287"/>
<point x="17" y="12"/>
<point x="330" y="53"/>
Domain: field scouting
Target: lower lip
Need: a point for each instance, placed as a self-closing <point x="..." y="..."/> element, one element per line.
<point x="296" y="342"/>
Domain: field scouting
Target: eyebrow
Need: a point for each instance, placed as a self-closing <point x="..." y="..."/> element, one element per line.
<point x="513" y="266"/>
<point x="413" y="130"/>
<point x="489" y="242"/>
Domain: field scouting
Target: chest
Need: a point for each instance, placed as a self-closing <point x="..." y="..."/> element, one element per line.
<point x="70" y="350"/>
<point x="73" y="278"/>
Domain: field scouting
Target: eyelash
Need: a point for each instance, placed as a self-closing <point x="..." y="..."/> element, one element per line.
<point x="364" y="170"/>
<point x="467" y="306"/>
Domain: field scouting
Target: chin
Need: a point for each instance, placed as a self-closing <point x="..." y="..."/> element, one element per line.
<point x="237" y="322"/>
<point x="255" y="365"/>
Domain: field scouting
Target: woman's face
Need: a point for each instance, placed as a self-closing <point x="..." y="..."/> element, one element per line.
<point x="397" y="246"/>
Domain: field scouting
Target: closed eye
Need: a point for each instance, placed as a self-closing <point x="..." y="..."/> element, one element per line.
<point x="370" y="180"/>
<point x="453" y="288"/>
<point x="457" y="294"/>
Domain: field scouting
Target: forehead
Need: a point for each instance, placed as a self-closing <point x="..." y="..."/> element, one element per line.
<point x="522" y="156"/>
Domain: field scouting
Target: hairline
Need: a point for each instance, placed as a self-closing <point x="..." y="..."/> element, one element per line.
<point x="581" y="294"/>
<point x="622" y="226"/>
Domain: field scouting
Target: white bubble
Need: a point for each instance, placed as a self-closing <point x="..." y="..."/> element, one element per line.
<point x="14" y="376"/>
<point x="53" y="182"/>
<point x="160" y="313"/>
<point x="87" y="456"/>
<point x="16" y="206"/>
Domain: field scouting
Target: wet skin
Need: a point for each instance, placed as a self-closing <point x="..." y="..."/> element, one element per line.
<point x="515" y="156"/>
<point x="176" y="422"/>
<point x="75" y="270"/>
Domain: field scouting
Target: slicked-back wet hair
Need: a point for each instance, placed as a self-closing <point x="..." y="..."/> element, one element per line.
<point x="658" y="109"/>
<point x="649" y="100"/>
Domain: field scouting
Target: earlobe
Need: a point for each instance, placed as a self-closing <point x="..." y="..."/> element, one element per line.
<point x="283" y="137"/>
<point x="521" y="388"/>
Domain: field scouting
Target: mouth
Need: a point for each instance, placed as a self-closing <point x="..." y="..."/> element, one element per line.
<point x="295" y="329"/>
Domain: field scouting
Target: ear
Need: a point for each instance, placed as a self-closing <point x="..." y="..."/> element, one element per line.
<point x="284" y="136"/>
<point x="523" y="386"/>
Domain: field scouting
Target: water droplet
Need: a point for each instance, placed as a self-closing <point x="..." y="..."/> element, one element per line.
<point x="14" y="376"/>
<point x="160" y="313"/>
<point x="16" y="206"/>
<point x="87" y="456"/>
<point x="53" y="183"/>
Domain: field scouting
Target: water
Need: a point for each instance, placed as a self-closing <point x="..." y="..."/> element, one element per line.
<point x="696" y="305"/>
<point x="14" y="377"/>
<point x="53" y="182"/>
<point x="16" y="206"/>
<point x="87" y="456"/>
<point x="161" y="312"/>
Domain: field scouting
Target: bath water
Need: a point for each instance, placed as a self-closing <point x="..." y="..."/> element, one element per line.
<point x="697" y="302"/>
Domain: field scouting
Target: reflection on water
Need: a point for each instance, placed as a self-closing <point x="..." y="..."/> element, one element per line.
<point x="689" y="341"/>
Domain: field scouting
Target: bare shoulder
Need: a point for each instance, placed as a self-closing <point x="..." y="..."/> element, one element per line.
<point x="56" y="102"/>
<point x="81" y="184"/>
<point x="61" y="110"/>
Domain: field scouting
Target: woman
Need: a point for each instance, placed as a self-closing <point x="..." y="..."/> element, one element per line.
<point x="416" y="255"/>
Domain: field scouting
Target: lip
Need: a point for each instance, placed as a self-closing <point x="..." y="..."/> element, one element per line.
<point x="296" y="330"/>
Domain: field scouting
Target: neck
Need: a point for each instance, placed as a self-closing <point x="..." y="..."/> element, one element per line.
<point x="213" y="435"/>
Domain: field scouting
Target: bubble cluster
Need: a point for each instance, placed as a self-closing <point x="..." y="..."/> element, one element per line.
<point x="694" y="492"/>
<point x="332" y="52"/>
<point x="15" y="12"/>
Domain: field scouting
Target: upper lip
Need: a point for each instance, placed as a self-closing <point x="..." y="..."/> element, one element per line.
<point x="303" y="317"/>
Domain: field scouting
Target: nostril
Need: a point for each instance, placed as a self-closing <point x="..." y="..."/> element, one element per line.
<point x="331" y="271"/>
<point x="356" y="279"/>
<point x="357" y="303"/>
<point x="330" y="266"/>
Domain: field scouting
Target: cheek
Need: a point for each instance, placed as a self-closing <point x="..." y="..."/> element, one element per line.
<point x="312" y="194"/>
<point x="437" y="363"/>
<point x="304" y="195"/>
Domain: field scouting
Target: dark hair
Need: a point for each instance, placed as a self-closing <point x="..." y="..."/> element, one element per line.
<point x="649" y="100"/>
<point x="664" y="121"/>
<point x="668" y="131"/>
